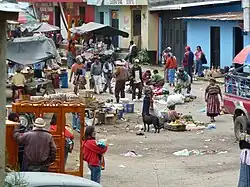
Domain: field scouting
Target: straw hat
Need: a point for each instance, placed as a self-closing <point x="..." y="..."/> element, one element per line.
<point x="40" y="123"/>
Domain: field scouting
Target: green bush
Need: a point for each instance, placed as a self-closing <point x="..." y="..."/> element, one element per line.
<point x="143" y="57"/>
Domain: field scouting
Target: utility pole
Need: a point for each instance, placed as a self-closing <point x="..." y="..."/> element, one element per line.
<point x="8" y="11"/>
<point x="246" y="18"/>
<point x="2" y="98"/>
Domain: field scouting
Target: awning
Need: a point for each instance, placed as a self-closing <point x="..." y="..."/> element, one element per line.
<point x="229" y="16"/>
<point x="99" y="29"/>
<point x="31" y="50"/>
<point x="45" y="27"/>
<point x="186" y="5"/>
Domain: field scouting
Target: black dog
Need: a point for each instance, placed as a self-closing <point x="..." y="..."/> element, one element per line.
<point x="149" y="119"/>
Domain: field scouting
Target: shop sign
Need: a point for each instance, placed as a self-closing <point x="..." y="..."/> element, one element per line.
<point x="119" y="2"/>
<point x="46" y="9"/>
<point x="95" y="2"/>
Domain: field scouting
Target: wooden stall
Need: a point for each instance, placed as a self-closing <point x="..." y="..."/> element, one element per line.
<point x="60" y="108"/>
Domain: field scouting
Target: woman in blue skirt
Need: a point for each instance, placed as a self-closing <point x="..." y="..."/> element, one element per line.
<point x="171" y="67"/>
<point x="244" y="179"/>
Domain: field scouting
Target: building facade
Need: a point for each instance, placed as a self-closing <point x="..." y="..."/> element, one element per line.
<point x="176" y="32"/>
<point x="219" y="35"/>
<point x="56" y="12"/>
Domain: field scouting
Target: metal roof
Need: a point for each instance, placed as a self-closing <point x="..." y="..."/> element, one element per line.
<point x="9" y="7"/>
<point x="229" y="16"/>
<point x="186" y="5"/>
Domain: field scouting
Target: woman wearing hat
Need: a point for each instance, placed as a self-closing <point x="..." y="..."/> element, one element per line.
<point x="212" y="99"/>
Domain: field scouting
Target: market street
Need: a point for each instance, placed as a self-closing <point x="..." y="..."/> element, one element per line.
<point x="157" y="166"/>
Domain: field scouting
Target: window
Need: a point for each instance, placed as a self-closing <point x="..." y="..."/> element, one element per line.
<point x="102" y="17"/>
<point x="177" y="36"/>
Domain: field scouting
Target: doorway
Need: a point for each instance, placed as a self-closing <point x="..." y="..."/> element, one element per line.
<point x="101" y="17"/>
<point x="238" y="40"/>
<point x="136" y="22"/>
<point x="115" y="24"/>
<point x="215" y="46"/>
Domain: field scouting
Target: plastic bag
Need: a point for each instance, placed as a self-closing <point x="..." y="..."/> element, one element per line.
<point x="175" y="99"/>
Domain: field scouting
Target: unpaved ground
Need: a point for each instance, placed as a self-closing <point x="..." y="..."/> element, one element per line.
<point x="158" y="166"/>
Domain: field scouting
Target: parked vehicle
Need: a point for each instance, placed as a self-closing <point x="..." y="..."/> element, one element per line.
<point x="237" y="98"/>
<point x="46" y="179"/>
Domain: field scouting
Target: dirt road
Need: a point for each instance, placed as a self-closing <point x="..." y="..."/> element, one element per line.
<point x="157" y="166"/>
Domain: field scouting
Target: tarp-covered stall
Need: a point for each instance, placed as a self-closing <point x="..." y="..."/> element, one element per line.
<point x="99" y="29"/>
<point x="31" y="50"/>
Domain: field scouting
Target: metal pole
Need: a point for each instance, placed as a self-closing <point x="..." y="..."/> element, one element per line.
<point x="3" y="47"/>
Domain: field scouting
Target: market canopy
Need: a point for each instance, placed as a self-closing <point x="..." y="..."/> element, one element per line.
<point x="243" y="56"/>
<point x="99" y="29"/>
<point x="45" y="27"/>
<point x="31" y="50"/>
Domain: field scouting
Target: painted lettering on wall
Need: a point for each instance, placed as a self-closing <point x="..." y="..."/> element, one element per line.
<point x="119" y="2"/>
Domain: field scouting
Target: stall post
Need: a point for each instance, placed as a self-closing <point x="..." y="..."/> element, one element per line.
<point x="5" y="14"/>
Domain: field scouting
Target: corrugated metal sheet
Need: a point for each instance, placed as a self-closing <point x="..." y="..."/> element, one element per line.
<point x="9" y="7"/>
<point x="230" y="16"/>
<point x="186" y="5"/>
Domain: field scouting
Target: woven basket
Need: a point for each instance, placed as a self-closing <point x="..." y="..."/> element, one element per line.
<point x="177" y="128"/>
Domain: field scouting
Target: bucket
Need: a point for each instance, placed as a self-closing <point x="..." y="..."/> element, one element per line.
<point x="64" y="80"/>
<point x="129" y="108"/>
<point x="120" y="113"/>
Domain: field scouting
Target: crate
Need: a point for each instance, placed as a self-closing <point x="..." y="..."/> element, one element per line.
<point x="129" y="108"/>
<point x="177" y="128"/>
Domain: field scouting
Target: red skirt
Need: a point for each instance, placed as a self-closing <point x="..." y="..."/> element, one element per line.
<point x="213" y="105"/>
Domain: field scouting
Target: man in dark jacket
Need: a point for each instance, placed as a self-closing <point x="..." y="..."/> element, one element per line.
<point x="188" y="62"/>
<point x="39" y="146"/>
<point x="137" y="81"/>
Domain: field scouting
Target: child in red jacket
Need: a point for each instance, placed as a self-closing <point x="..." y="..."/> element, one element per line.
<point x="93" y="153"/>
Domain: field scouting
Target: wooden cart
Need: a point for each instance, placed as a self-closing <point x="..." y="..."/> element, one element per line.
<point x="59" y="108"/>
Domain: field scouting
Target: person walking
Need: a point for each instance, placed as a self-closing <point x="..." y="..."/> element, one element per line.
<point x="71" y="54"/>
<point x="137" y="82"/>
<point x="39" y="146"/>
<point x="198" y="61"/>
<point x="211" y="97"/>
<point x="96" y="75"/>
<point x="244" y="144"/>
<point x="93" y="153"/>
<point x="188" y="62"/>
<point x="171" y="67"/>
<point x="121" y="76"/>
<point x="108" y="70"/>
<point x="165" y="55"/>
<point x="77" y="66"/>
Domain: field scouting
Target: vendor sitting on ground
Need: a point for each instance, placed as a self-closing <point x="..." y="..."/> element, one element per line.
<point x="172" y="115"/>
<point x="146" y="77"/>
<point x="157" y="79"/>
<point x="18" y="82"/>
<point x="183" y="81"/>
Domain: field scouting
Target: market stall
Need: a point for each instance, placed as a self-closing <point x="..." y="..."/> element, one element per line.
<point x="43" y="50"/>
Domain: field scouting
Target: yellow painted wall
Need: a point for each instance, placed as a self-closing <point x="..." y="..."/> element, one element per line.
<point x="152" y="32"/>
<point x="125" y="25"/>
<point x="149" y="28"/>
